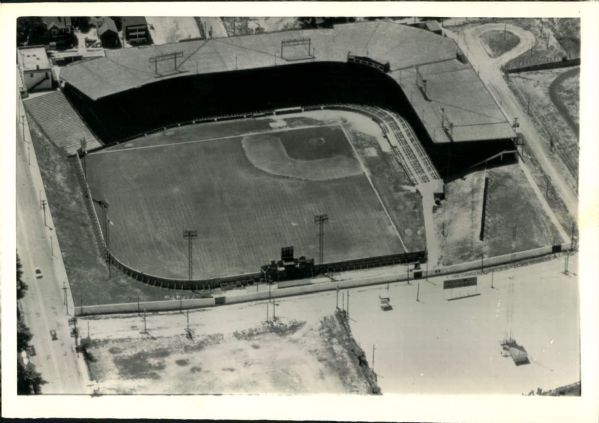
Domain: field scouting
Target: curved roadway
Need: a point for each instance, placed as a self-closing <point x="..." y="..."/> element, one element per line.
<point x="490" y="71"/>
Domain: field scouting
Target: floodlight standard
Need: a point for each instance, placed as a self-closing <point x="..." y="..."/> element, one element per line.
<point x="320" y="219"/>
<point x="190" y="235"/>
<point x="104" y="204"/>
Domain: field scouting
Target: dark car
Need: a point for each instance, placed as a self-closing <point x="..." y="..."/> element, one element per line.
<point x="38" y="273"/>
<point x="53" y="335"/>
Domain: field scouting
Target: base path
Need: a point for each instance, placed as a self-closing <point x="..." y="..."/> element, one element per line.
<point x="490" y="71"/>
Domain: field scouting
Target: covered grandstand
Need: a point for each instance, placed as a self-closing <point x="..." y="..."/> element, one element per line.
<point x="418" y="74"/>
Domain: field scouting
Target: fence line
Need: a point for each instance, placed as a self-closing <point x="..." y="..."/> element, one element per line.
<point x="547" y="65"/>
<point x="309" y="288"/>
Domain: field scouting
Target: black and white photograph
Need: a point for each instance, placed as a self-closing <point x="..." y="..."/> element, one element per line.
<point x="365" y="206"/>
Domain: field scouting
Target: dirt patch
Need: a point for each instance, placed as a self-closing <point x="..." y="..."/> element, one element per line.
<point x="522" y="224"/>
<point x="279" y="328"/>
<point x="499" y="42"/>
<point x="533" y="91"/>
<point x="287" y="356"/>
<point x="547" y="47"/>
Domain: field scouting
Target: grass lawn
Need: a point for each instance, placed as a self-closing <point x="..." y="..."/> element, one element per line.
<point x="243" y="215"/>
<point x="523" y="224"/>
<point x="499" y="42"/>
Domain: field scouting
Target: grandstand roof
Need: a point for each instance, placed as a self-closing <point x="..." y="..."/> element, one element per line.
<point x="453" y="83"/>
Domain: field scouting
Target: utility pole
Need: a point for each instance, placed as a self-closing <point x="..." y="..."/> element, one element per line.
<point x="267" y="316"/>
<point x="188" y="321"/>
<point x="337" y="298"/>
<point x="492" y="278"/>
<point x="567" y="259"/>
<point x="320" y="219"/>
<point x="64" y="288"/>
<point x="482" y="265"/>
<point x="190" y="235"/>
<point x="138" y="311"/>
<point x="274" y="310"/>
<point x="572" y="236"/>
<point x="408" y="273"/>
<point x="373" y="350"/>
<point x="145" y="326"/>
<point x="418" y="292"/>
<point x="83" y="143"/>
<point x="347" y="309"/>
<point x="44" y="203"/>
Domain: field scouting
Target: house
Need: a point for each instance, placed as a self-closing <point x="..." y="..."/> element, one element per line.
<point x="36" y="71"/>
<point x="59" y="32"/>
<point x="135" y="30"/>
<point x="108" y="33"/>
<point x="57" y="25"/>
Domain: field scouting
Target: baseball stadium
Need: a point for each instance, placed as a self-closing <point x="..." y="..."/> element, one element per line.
<point x="202" y="159"/>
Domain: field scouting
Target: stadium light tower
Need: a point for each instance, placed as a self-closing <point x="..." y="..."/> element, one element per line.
<point x="190" y="235"/>
<point x="320" y="219"/>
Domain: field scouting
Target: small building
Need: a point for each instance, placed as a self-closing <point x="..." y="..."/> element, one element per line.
<point x="57" y="25"/>
<point x="135" y="30"/>
<point x="36" y="71"/>
<point x="108" y="33"/>
<point x="59" y="33"/>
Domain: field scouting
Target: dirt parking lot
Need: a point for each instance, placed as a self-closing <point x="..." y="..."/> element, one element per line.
<point x="288" y="357"/>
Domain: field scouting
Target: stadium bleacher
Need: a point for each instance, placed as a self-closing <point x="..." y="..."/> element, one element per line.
<point x="60" y="122"/>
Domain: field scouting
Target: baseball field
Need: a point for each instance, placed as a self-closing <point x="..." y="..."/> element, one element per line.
<point x="248" y="188"/>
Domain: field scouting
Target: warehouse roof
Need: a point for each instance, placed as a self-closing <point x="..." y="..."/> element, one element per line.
<point x="402" y="46"/>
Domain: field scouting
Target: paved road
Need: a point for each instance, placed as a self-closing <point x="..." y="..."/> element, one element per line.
<point x="213" y="27"/>
<point x="489" y="70"/>
<point x="43" y="305"/>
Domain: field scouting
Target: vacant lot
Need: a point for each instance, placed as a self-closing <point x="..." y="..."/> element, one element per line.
<point x="287" y="357"/>
<point x="159" y="187"/>
<point x="533" y="91"/>
<point x="499" y="42"/>
<point x="514" y="218"/>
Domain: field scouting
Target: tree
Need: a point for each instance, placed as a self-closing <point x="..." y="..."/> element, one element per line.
<point x="21" y="286"/>
<point x="23" y="335"/>
<point x="29" y="381"/>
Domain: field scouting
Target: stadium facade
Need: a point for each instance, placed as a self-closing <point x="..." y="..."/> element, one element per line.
<point x="420" y="75"/>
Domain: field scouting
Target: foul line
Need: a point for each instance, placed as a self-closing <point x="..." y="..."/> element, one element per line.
<point x="245" y="134"/>
<point x="373" y="188"/>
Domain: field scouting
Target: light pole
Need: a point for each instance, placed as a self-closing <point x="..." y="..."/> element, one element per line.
<point x="104" y="204"/>
<point x="190" y="235"/>
<point x="320" y="219"/>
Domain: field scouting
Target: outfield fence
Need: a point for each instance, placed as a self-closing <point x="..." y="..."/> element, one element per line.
<point x="311" y="287"/>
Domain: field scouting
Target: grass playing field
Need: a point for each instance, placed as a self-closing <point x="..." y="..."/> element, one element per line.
<point x="246" y="188"/>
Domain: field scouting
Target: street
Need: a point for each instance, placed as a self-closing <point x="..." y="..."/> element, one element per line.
<point x="44" y="303"/>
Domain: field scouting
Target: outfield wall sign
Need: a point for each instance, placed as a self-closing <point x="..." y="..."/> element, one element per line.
<point x="459" y="283"/>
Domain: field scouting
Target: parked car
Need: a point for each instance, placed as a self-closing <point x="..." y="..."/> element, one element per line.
<point x="53" y="335"/>
<point x="31" y="350"/>
<point x="38" y="273"/>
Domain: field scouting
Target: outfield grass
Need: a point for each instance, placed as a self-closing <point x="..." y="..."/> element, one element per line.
<point x="243" y="215"/>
